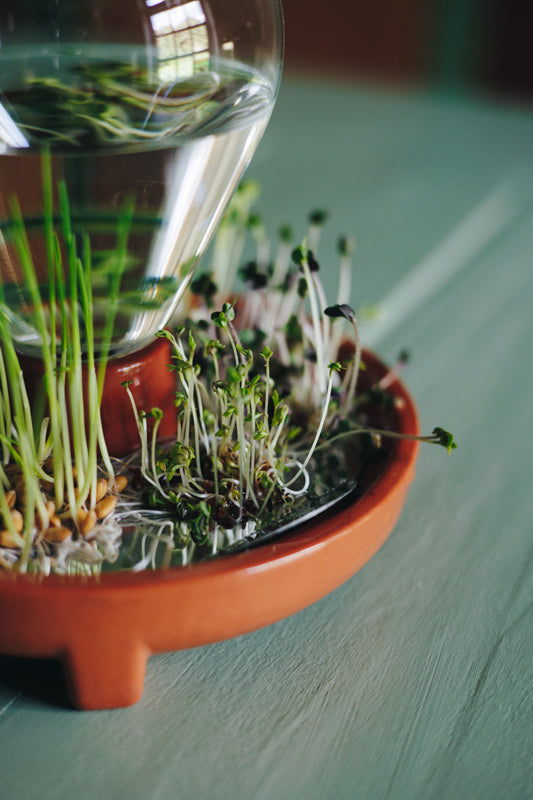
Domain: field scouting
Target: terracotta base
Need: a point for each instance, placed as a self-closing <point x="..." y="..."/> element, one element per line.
<point x="152" y="385"/>
<point x="103" y="630"/>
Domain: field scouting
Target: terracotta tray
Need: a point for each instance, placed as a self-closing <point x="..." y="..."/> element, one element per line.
<point x="104" y="629"/>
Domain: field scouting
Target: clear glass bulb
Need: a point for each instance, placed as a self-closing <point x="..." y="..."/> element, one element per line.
<point x="125" y="126"/>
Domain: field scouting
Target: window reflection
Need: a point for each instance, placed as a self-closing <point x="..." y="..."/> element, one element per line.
<point x="10" y="133"/>
<point x="181" y="37"/>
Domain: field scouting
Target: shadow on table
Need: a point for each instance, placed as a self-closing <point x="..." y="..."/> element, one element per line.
<point x="40" y="679"/>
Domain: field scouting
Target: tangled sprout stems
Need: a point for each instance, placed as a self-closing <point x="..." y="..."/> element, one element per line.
<point x="234" y="442"/>
<point x="333" y="367"/>
<point x="261" y="401"/>
<point x="265" y="405"/>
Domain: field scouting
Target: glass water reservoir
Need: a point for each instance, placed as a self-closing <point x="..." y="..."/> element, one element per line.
<point x="125" y="126"/>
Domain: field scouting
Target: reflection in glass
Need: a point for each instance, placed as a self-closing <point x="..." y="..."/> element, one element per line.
<point x="182" y="40"/>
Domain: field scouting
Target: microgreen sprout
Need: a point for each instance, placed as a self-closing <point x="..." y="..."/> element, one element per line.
<point x="270" y="414"/>
<point x="232" y="430"/>
<point x="345" y="311"/>
<point x="274" y="401"/>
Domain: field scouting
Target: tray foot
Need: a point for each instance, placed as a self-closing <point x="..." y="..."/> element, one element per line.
<point x="98" y="679"/>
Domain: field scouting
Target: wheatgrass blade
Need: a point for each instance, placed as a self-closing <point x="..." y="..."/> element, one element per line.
<point x="73" y="346"/>
<point x="121" y="255"/>
<point x="93" y="406"/>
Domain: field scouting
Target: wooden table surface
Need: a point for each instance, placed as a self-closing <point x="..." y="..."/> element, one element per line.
<point x="413" y="680"/>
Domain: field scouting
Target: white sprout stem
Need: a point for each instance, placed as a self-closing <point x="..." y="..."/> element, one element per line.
<point x="281" y="263"/>
<point x="270" y="491"/>
<point x="250" y="452"/>
<point x="195" y="426"/>
<point x="51" y="381"/>
<point x="282" y="348"/>
<point x="287" y="305"/>
<point x="42" y="441"/>
<point x="153" y="453"/>
<point x="89" y="487"/>
<point x="345" y="280"/>
<point x="215" y="462"/>
<point x="306" y="479"/>
<point x="143" y="436"/>
<point x="235" y="343"/>
<point x="148" y="557"/>
<point x="323" y="303"/>
<point x="313" y="237"/>
<point x="318" y="433"/>
<point x="197" y="388"/>
<point x="241" y="455"/>
<point x="317" y="328"/>
<point x="253" y="448"/>
<point x="263" y="252"/>
<point x="72" y="339"/>
<point x="40" y="316"/>
<point x="265" y="411"/>
<point x="227" y="250"/>
<point x="274" y="461"/>
<point x="281" y="425"/>
<point x="75" y="395"/>
<point x="69" y="477"/>
<point x="350" y="394"/>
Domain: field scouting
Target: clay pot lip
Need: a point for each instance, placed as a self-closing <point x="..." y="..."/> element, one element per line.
<point x="398" y="465"/>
